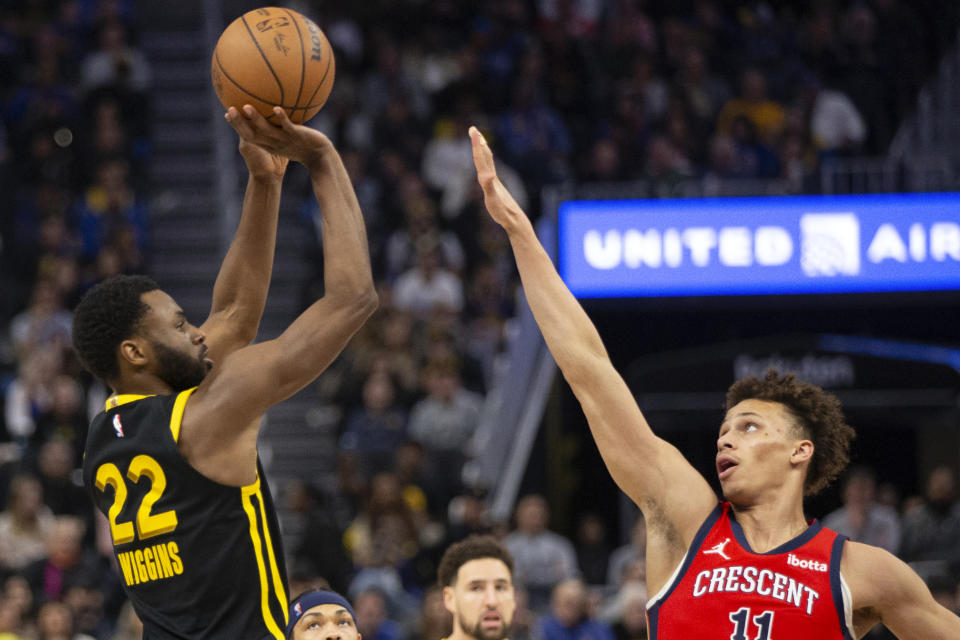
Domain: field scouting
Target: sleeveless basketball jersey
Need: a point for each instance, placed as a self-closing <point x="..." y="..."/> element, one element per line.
<point x="723" y="590"/>
<point x="197" y="559"/>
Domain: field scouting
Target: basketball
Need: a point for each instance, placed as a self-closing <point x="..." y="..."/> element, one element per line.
<point x="273" y="57"/>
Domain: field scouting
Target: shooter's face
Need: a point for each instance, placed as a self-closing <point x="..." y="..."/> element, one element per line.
<point x="178" y="349"/>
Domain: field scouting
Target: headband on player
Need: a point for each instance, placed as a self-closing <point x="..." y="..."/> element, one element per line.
<point x="311" y="599"/>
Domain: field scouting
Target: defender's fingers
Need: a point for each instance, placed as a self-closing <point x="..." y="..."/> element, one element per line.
<point x="482" y="156"/>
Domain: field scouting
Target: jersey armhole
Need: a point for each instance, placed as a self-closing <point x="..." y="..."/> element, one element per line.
<point x="681" y="569"/>
<point x="847" y="606"/>
<point x="176" y="417"/>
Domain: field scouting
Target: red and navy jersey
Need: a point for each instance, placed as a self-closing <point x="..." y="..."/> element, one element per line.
<point x="723" y="590"/>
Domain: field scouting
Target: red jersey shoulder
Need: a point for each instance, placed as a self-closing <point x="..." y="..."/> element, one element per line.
<point x="724" y="588"/>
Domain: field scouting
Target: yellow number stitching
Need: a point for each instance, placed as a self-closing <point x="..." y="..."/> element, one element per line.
<point x="151" y="524"/>
<point x="109" y="475"/>
<point x="148" y="524"/>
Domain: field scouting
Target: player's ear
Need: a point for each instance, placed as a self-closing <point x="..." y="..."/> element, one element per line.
<point x="133" y="352"/>
<point x="802" y="451"/>
<point x="448" y="600"/>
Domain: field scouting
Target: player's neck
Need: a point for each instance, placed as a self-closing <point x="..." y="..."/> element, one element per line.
<point x="140" y="384"/>
<point x="459" y="634"/>
<point x="769" y="525"/>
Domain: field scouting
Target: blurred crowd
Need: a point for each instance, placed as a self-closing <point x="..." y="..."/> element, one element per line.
<point x="566" y="90"/>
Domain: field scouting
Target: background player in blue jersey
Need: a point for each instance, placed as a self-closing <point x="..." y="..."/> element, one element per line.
<point x="172" y="461"/>
<point x="780" y="440"/>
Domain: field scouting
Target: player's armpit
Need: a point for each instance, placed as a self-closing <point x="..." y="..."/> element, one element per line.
<point x="881" y="582"/>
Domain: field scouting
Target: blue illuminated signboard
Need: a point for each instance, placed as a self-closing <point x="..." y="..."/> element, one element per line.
<point x="765" y="245"/>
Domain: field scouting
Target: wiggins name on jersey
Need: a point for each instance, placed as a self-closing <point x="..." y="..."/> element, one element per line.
<point x="198" y="559"/>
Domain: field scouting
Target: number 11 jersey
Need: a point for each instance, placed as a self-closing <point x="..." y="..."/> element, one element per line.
<point x="198" y="559"/>
<point x="723" y="590"/>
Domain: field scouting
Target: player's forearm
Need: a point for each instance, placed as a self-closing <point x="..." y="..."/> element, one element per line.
<point x="244" y="279"/>
<point x="568" y="331"/>
<point x="346" y="255"/>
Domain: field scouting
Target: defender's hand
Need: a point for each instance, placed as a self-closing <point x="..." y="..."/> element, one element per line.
<point x="293" y="141"/>
<point x="502" y="207"/>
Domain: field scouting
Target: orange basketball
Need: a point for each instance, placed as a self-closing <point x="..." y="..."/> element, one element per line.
<point x="273" y="57"/>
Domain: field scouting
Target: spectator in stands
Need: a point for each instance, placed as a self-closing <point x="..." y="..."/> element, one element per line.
<point x="66" y="561"/>
<point x="931" y="530"/>
<point x="443" y="423"/>
<point x="377" y="427"/>
<point x="110" y="209"/>
<point x="593" y="553"/>
<point x="861" y="518"/>
<point x="421" y="228"/>
<point x="372" y="620"/>
<point x="534" y="138"/>
<point x="12" y="623"/>
<point x="43" y="322"/>
<point x="428" y="285"/>
<point x="24" y="524"/>
<point x="55" y="622"/>
<point x="630" y="615"/>
<point x="752" y="103"/>
<point x="434" y="622"/>
<point x="542" y="558"/>
<point x="29" y="395"/>
<point x="631" y="554"/>
<point x="836" y="126"/>
<point x="704" y="93"/>
<point x="568" y="618"/>
<point x="63" y="421"/>
<point x="86" y="601"/>
<point x="115" y="62"/>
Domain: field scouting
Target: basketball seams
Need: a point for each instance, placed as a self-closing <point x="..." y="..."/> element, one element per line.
<point x="324" y="78"/>
<point x="303" y="61"/>
<point x="263" y="55"/>
<point x="223" y="70"/>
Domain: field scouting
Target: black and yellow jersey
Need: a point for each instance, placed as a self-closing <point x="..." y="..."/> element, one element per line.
<point x="198" y="559"/>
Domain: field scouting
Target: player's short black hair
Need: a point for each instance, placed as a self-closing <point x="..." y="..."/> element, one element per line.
<point x="108" y="314"/>
<point x="473" y="547"/>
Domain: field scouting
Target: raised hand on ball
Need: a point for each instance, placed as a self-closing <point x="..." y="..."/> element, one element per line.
<point x="293" y="141"/>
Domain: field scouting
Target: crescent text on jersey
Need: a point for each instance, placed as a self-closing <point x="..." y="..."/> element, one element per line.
<point x="763" y="582"/>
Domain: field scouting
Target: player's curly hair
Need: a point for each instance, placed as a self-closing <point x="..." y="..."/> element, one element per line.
<point x="818" y="415"/>
<point x="108" y="314"/>
<point x="472" y="547"/>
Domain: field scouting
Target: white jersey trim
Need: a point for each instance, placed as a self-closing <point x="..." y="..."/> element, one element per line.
<point x="670" y="582"/>
<point x="847" y="606"/>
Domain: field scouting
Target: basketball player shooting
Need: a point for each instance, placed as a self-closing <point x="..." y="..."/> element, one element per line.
<point x="750" y="567"/>
<point x="172" y="461"/>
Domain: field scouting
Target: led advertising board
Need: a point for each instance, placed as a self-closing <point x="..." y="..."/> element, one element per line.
<point x="762" y="245"/>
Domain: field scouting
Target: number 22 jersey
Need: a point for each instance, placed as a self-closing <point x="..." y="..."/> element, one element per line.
<point x="723" y="590"/>
<point x="198" y="559"/>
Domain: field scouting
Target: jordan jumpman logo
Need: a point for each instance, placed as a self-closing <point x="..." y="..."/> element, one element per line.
<point x="718" y="549"/>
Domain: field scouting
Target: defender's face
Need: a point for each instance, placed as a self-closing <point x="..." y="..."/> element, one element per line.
<point x="755" y="449"/>
<point x="482" y="599"/>
<point x="326" y="622"/>
<point x="177" y="348"/>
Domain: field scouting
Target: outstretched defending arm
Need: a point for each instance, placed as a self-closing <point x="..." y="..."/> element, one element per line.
<point x="651" y="471"/>
<point x="240" y="291"/>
